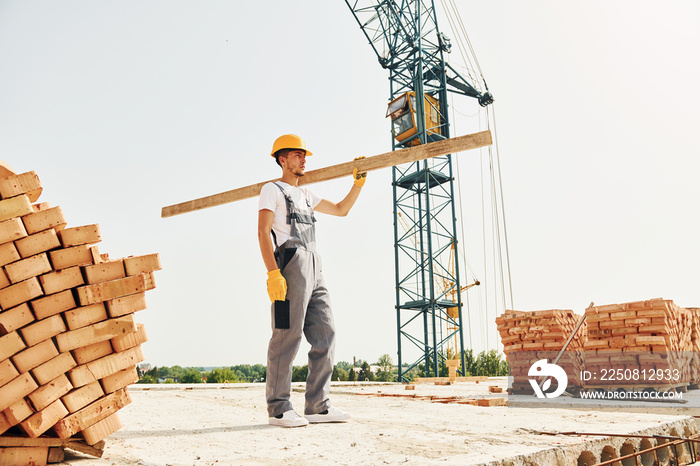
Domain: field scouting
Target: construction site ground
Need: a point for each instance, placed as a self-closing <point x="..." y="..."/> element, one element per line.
<point x="206" y="424"/>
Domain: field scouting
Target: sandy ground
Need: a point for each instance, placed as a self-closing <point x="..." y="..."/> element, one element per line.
<point x="206" y="425"/>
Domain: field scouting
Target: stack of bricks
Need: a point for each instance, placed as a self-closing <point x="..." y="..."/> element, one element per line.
<point x="530" y="336"/>
<point x="695" y="346"/>
<point x="647" y="343"/>
<point x="69" y="344"/>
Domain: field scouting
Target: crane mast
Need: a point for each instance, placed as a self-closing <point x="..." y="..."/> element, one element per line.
<point x="404" y="35"/>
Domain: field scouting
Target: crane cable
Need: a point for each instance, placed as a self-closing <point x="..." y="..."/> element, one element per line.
<point x="461" y="37"/>
<point x="464" y="251"/>
<point x="503" y="209"/>
<point x="496" y="183"/>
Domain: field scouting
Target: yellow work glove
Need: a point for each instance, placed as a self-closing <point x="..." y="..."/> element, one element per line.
<point x="359" y="178"/>
<point x="276" y="285"/>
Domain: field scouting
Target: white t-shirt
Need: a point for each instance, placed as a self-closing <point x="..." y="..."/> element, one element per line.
<point x="271" y="198"/>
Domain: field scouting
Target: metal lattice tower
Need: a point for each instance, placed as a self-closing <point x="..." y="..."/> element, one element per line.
<point x="404" y="35"/>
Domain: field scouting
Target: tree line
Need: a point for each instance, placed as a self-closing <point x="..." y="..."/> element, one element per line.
<point x="484" y="364"/>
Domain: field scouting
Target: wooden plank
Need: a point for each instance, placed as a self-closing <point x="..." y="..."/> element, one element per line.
<point x="37" y="243"/>
<point x="15" y="207"/>
<point x="11" y="230"/>
<point x="35" y="456"/>
<point x="24" y="183"/>
<point x="14" y="391"/>
<point x="56" y="455"/>
<point x="95" y="333"/>
<point x="388" y="159"/>
<point x="76" y="236"/>
<point x="95" y="450"/>
<point x="91" y="414"/>
<point x="17" y="441"/>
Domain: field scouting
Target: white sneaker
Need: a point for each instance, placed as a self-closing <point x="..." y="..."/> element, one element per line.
<point x="289" y="419"/>
<point x="332" y="414"/>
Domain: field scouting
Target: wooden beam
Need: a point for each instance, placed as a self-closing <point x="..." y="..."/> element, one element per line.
<point x="388" y="159"/>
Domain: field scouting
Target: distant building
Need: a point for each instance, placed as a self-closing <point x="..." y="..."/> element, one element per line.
<point x="144" y="367"/>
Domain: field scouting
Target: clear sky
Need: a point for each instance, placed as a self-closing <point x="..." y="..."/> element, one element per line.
<point x="123" y="107"/>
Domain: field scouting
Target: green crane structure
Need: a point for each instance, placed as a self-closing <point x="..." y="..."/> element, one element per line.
<point x="405" y="36"/>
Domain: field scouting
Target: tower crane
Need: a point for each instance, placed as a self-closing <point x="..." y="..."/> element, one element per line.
<point x="405" y="37"/>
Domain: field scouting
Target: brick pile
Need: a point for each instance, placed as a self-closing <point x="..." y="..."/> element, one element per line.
<point x="530" y="336"/>
<point x="695" y="345"/>
<point x="69" y="344"/>
<point x="641" y="341"/>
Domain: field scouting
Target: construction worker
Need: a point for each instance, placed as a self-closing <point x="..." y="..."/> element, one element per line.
<point x="300" y="300"/>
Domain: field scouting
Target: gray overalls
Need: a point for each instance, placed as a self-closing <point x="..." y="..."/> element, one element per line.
<point x="309" y="312"/>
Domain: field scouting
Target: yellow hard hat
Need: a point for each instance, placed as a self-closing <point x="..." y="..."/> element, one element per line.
<point x="289" y="141"/>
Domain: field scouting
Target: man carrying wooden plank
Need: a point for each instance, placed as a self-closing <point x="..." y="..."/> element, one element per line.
<point x="300" y="300"/>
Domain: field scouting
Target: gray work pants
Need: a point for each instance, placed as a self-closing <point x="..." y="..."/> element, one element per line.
<point x="310" y="314"/>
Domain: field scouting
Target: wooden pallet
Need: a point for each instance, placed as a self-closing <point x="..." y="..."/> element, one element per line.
<point x="44" y="450"/>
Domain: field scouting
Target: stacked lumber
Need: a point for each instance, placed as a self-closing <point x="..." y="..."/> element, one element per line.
<point x="528" y="337"/>
<point x="69" y="343"/>
<point x="649" y="344"/>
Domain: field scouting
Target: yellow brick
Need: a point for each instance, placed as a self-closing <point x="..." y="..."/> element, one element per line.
<point x="61" y="280"/>
<point x="43" y="220"/>
<point x="53" y="304"/>
<point x="20" y="293"/>
<point x="42" y="330"/>
<point x="76" y="236"/>
<point x="11" y="230"/>
<point x="27" y="268"/>
<point x="15" y="318"/>
<point x="24" y="183"/>
<point x="15" y="207"/>
<point x="37" y="243"/>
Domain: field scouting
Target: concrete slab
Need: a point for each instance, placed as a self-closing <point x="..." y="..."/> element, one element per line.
<point x="227" y="424"/>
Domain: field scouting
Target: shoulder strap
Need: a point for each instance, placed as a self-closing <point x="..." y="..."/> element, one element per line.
<point x="288" y="202"/>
